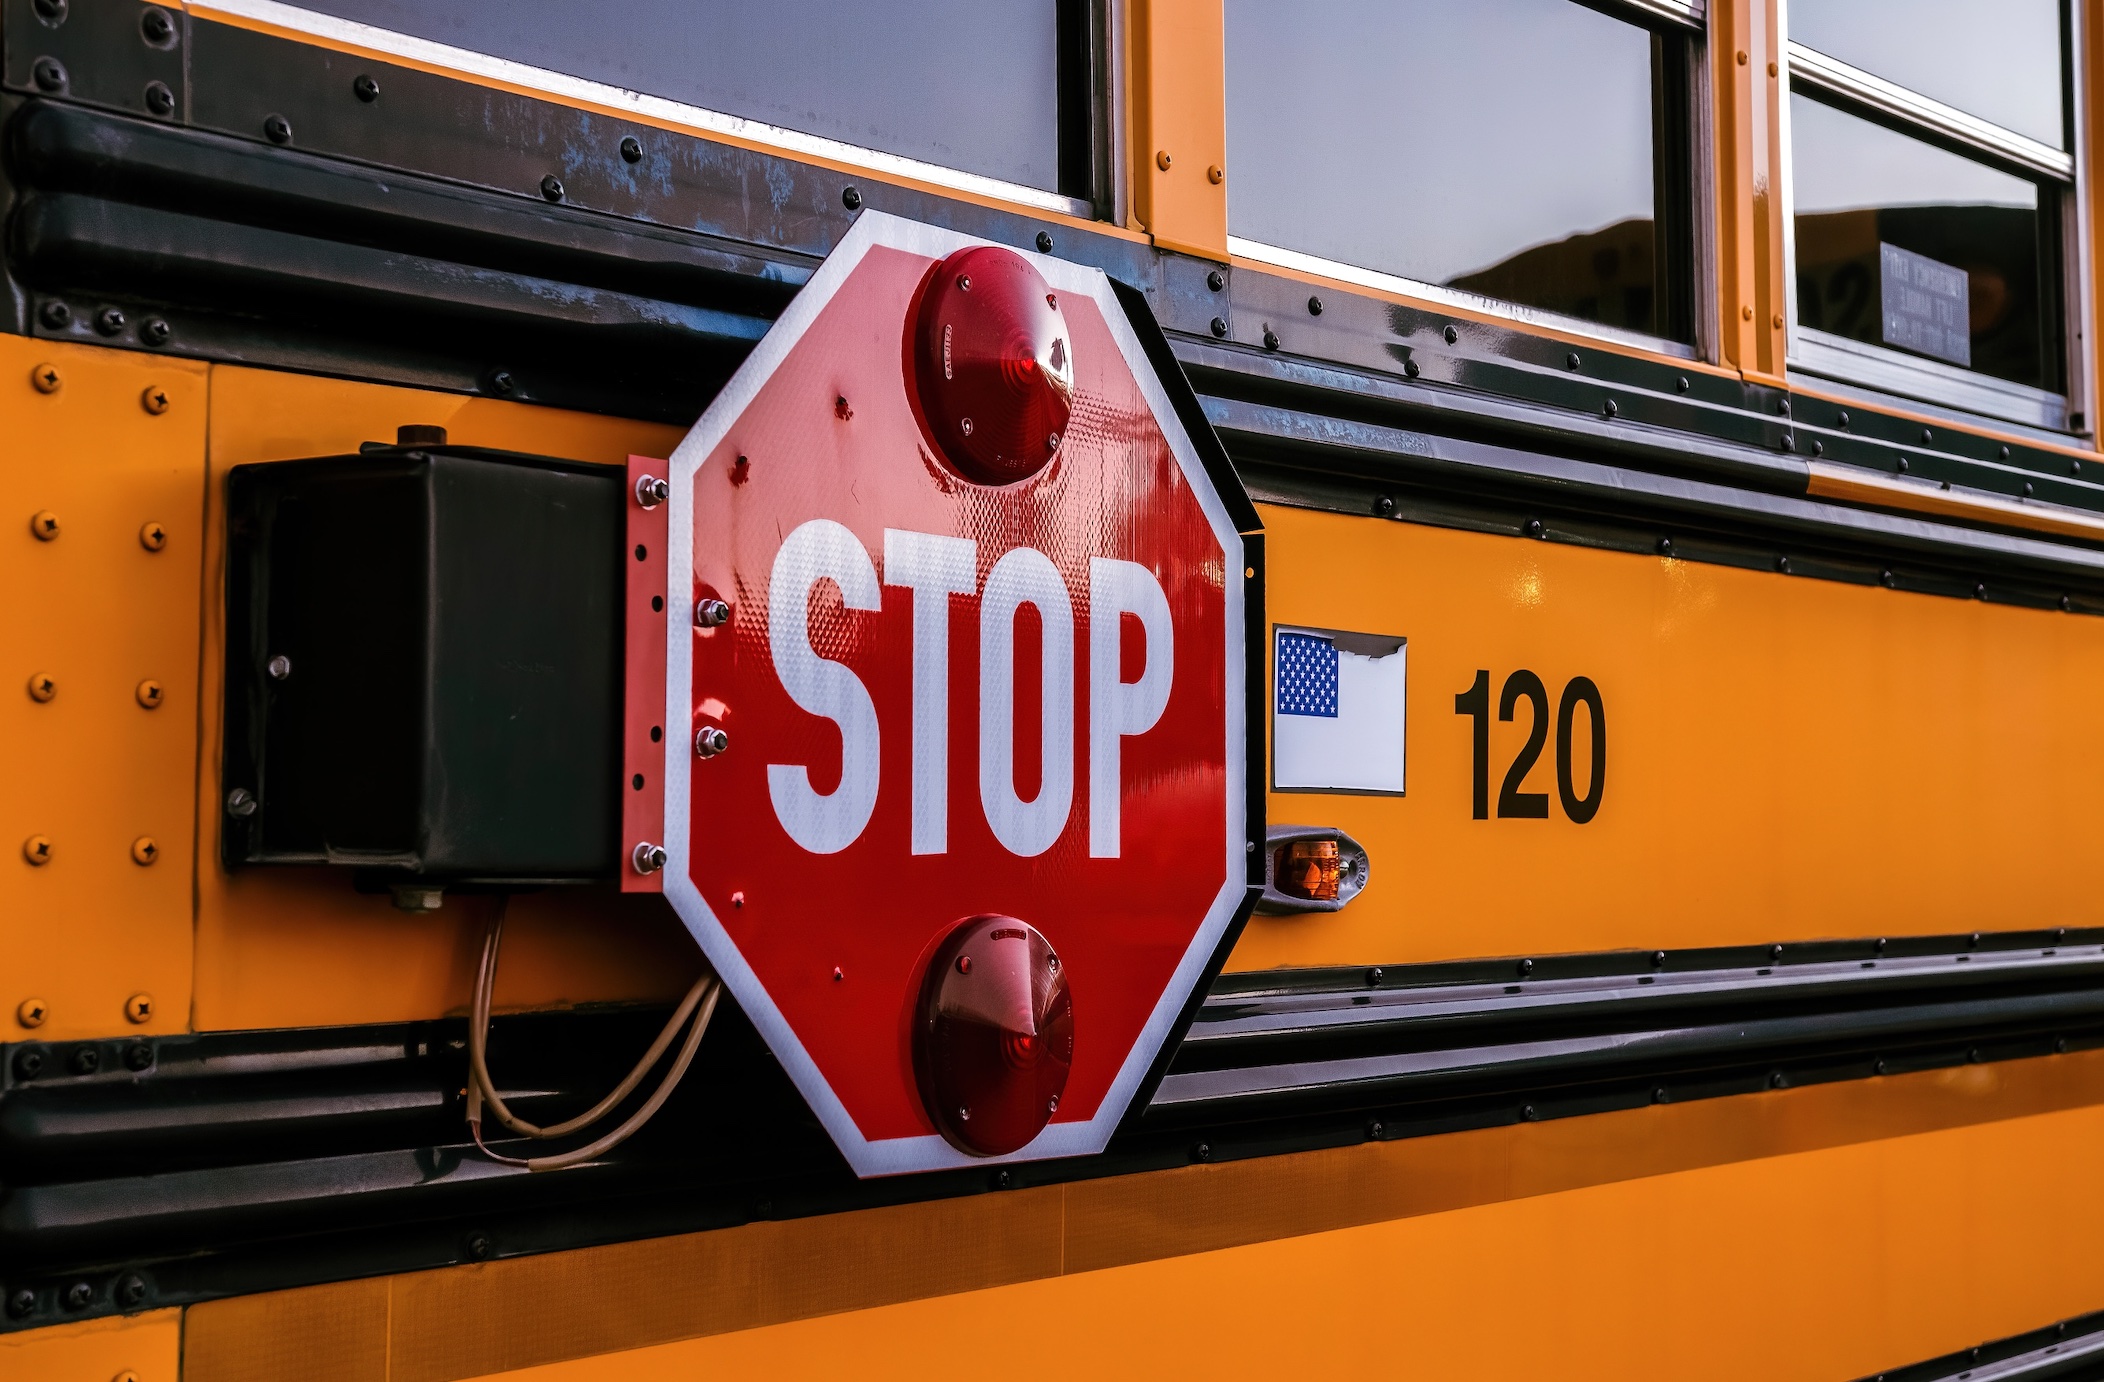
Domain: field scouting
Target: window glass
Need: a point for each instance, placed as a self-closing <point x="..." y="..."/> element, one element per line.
<point x="963" y="84"/>
<point x="1905" y="245"/>
<point x="1999" y="61"/>
<point x="1504" y="147"/>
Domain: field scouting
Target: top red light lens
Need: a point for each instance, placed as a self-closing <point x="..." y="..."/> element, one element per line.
<point x="993" y="365"/>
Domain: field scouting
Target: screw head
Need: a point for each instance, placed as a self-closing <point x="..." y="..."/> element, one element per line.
<point x="1658" y="1094"/>
<point x="2027" y="489"/>
<point x="1373" y="977"/>
<point x="1003" y="1180"/>
<point x="1775" y="952"/>
<point x="1410" y="368"/>
<point x="109" y="321"/>
<point x="37" y="850"/>
<point x="20" y="1302"/>
<point x="138" y="1056"/>
<point x="1534" y="527"/>
<point x="1270" y="339"/>
<point x="279" y="667"/>
<point x="1451" y="335"/>
<point x="479" y="1247"/>
<point x="2074" y="467"/>
<point x="241" y="803"/>
<point x="156" y="27"/>
<point x="2067" y="602"/>
<point x="631" y="149"/>
<point x="1888" y="578"/>
<point x="79" y="1296"/>
<point x="1877" y="1067"/>
<point x="1376" y="1130"/>
<point x="45" y="378"/>
<point x="1219" y="326"/>
<point x="1202" y="1152"/>
<point x="851" y="198"/>
<point x="1215" y="280"/>
<point x="1383" y="505"/>
<point x="277" y="129"/>
<point x="1775" y="1079"/>
<point x="44" y="523"/>
<point x="144" y="851"/>
<point x="709" y="614"/>
<point x="1570" y="361"/>
<point x="148" y="693"/>
<point x="1530" y="1113"/>
<point x="1314" y="307"/>
<point x="1525" y="967"/>
<point x="1215" y="174"/>
<point x="1044" y="242"/>
<point x="42" y="687"/>
<point x="154" y="331"/>
<point x="1665" y="547"/>
<point x="1782" y="564"/>
<point x="31" y="1012"/>
<point x="501" y="382"/>
<point x="1612" y="409"/>
<point x="552" y="188"/>
<point x="86" y="1060"/>
<point x="1163" y="160"/>
<point x="365" y="88"/>
<point x="1979" y="590"/>
<point x="52" y="12"/>
<point x="131" y="1289"/>
<point x="152" y="536"/>
<point x="55" y="315"/>
<point x="49" y="74"/>
<point x="155" y="399"/>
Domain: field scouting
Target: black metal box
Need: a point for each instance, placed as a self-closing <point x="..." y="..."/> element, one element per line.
<point x="423" y="665"/>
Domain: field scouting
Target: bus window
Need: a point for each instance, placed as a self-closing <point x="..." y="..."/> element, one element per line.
<point x="1360" y="133"/>
<point x="967" y="86"/>
<point x="1929" y="193"/>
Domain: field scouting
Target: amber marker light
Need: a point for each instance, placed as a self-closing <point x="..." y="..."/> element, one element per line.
<point x="992" y="365"/>
<point x="993" y="1036"/>
<point x="1310" y="868"/>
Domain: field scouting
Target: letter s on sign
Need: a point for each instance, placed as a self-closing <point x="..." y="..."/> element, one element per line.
<point x="823" y="550"/>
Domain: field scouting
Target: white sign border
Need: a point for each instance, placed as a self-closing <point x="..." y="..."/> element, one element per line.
<point x="930" y="1152"/>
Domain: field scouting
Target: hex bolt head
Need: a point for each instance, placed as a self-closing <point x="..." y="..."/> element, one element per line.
<point x="631" y="149"/>
<point x="138" y="1056"/>
<point x="279" y="667"/>
<point x="41" y="687"/>
<point x="148" y="693"/>
<point x="154" y="331"/>
<point x="277" y="129"/>
<point x="154" y="399"/>
<point x="31" y="1012"/>
<point x="109" y="321"/>
<point x="156" y="26"/>
<point x="710" y="741"/>
<point x="55" y="315"/>
<point x="652" y="491"/>
<point x="86" y="1060"/>
<point x="144" y="852"/>
<point x="37" y="850"/>
<point x="45" y="378"/>
<point x="552" y="188"/>
<point x="851" y="198"/>
<point x="647" y="857"/>
<point x="49" y="74"/>
<point x="159" y="99"/>
<point x="21" y="1302"/>
<point x="131" y="1289"/>
<point x="152" y="536"/>
<point x="709" y="614"/>
<point x="241" y="803"/>
<point x="365" y="88"/>
<point x="79" y="1296"/>
<point x="1043" y="242"/>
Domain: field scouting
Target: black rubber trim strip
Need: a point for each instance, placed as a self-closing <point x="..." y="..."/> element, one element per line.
<point x="2069" y="1351"/>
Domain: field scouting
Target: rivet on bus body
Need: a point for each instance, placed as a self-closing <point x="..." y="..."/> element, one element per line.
<point x="1162" y="160"/>
<point x="1215" y="174"/>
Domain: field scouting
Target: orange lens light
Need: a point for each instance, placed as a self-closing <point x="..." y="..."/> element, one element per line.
<point x="1311" y="869"/>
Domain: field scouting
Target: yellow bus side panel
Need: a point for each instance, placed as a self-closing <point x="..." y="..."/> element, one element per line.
<point x="1787" y="758"/>
<point x="138" y="1348"/>
<point x="1836" y="1227"/>
<point x="98" y="775"/>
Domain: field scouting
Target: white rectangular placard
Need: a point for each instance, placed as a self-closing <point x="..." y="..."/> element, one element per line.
<point x="1337" y="712"/>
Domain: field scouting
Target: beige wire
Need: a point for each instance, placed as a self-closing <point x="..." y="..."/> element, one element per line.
<point x="481" y="1089"/>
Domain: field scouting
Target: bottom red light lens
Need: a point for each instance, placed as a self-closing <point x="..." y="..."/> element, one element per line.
<point x="993" y="1038"/>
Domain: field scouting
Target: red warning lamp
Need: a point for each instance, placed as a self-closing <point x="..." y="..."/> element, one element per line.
<point x="992" y="365"/>
<point x="994" y="1035"/>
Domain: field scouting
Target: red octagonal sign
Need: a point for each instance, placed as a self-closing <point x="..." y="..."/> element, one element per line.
<point x="955" y="763"/>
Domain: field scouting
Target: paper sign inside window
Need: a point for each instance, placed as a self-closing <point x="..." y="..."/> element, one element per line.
<point x="1337" y="711"/>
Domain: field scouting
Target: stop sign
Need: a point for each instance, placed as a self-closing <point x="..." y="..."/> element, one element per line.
<point x="955" y="664"/>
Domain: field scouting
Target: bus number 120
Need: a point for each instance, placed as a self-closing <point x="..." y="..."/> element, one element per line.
<point x="1512" y="802"/>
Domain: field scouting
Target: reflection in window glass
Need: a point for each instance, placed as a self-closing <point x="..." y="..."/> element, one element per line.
<point x="958" y="83"/>
<point x="1504" y="147"/>
<point x="1862" y="191"/>
<point x="1999" y="61"/>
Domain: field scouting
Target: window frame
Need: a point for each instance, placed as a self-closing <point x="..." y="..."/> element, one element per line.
<point x="1690" y="20"/>
<point x="1840" y="360"/>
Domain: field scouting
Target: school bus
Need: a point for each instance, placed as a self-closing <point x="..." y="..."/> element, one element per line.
<point x="1674" y="518"/>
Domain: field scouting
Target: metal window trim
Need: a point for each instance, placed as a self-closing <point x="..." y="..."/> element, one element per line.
<point x="1706" y="313"/>
<point x="279" y="16"/>
<point x="1298" y="262"/>
<point x="1692" y="15"/>
<point x="2078" y="272"/>
<point x="1831" y="75"/>
<point x="1857" y="362"/>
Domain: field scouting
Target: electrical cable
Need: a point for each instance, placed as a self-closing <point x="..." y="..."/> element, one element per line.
<point x="699" y="1005"/>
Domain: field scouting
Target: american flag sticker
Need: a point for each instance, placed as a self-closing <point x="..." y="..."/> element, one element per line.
<point x="1338" y="703"/>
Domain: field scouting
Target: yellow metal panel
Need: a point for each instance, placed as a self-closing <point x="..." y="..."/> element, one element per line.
<point x="102" y="764"/>
<point x="297" y="947"/>
<point x="140" y="1348"/>
<point x="1825" y="1265"/>
<point x="335" y="1333"/>
<point x="1178" y="80"/>
<point x="1787" y="758"/>
<point x="467" y="1321"/>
